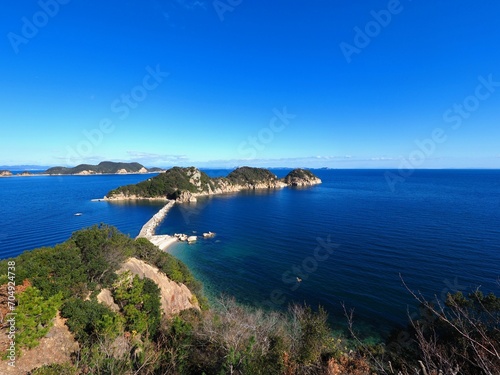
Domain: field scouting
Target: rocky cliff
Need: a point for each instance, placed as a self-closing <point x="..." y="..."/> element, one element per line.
<point x="185" y="184"/>
<point x="174" y="297"/>
<point x="301" y="177"/>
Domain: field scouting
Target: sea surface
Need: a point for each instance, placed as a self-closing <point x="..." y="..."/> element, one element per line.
<point x="351" y="240"/>
<point x="40" y="211"/>
<point x="439" y="232"/>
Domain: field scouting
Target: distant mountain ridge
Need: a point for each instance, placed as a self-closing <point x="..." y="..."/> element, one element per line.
<point x="105" y="167"/>
<point x="185" y="184"/>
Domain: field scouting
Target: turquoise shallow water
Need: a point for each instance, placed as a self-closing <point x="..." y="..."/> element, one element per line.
<point x="440" y="230"/>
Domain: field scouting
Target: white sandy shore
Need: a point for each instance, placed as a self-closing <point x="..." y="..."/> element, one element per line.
<point x="148" y="230"/>
<point x="163" y="241"/>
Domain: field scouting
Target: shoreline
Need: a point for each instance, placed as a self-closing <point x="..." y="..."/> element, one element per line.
<point x="74" y="174"/>
<point x="147" y="231"/>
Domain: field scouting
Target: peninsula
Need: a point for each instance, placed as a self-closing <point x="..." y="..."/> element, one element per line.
<point x="182" y="185"/>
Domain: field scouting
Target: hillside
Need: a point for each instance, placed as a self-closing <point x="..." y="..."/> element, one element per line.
<point x="102" y="303"/>
<point x="105" y="167"/>
<point x="184" y="184"/>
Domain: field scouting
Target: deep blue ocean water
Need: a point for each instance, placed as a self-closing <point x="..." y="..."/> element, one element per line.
<point x="348" y="239"/>
<point x="40" y="210"/>
<point x="440" y="230"/>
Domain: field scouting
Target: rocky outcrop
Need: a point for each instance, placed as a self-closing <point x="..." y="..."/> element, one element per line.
<point x="301" y="177"/>
<point x="57" y="346"/>
<point x="174" y="297"/>
<point x="5" y="173"/>
<point x="106" y="298"/>
<point x="84" y="173"/>
<point x="25" y="173"/>
<point x="122" y="197"/>
<point x="185" y="197"/>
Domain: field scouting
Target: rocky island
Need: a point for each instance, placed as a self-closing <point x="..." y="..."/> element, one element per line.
<point x="185" y="184"/>
<point x="182" y="185"/>
<point x="5" y="173"/>
<point x="105" y="167"/>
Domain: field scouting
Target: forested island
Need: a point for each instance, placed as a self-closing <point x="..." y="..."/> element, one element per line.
<point x="185" y="184"/>
<point x="105" y="167"/>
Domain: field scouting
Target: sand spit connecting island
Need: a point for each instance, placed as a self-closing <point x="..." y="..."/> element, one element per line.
<point x="183" y="185"/>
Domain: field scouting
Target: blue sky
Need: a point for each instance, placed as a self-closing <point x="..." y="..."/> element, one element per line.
<point x="342" y="84"/>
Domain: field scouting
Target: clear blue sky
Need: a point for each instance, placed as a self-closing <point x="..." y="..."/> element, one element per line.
<point x="317" y="83"/>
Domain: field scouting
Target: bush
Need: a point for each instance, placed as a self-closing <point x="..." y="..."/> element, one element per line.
<point x="55" y="369"/>
<point x="464" y="336"/>
<point x="53" y="270"/>
<point x="139" y="300"/>
<point x="90" y="320"/>
<point x="35" y="315"/>
<point x="103" y="250"/>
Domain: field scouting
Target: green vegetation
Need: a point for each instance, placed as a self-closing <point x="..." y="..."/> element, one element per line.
<point x="53" y="270"/>
<point x="103" y="249"/>
<point x="103" y="167"/>
<point x="170" y="266"/>
<point x="168" y="184"/>
<point x="460" y="336"/>
<point x="90" y="320"/>
<point x="299" y="173"/>
<point x="251" y="176"/>
<point x="55" y="369"/>
<point x="177" y="180"/>
<point x="139" y="299"/>
<point x="34" y="317"/>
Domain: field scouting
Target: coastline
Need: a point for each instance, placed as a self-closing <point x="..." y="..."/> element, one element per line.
<point x="148" y="230"/>
<point x="73" y="174"/>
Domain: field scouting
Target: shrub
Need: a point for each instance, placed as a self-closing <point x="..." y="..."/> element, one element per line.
<point x="89" y="320"/>
<point x="35" y="315"/>
<point x="139" y="300"/>
<point x="103" y="250"/>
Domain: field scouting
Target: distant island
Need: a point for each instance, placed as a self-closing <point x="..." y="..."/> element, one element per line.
<point x="5" y="173"/>
<point x="185" y="184"/>
<point x="105" y="167"/>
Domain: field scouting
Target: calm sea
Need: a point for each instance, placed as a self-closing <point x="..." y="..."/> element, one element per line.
<point x="348" y="240"/>
<point x="40" y="210"/>
<point x="440" y="230"/>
